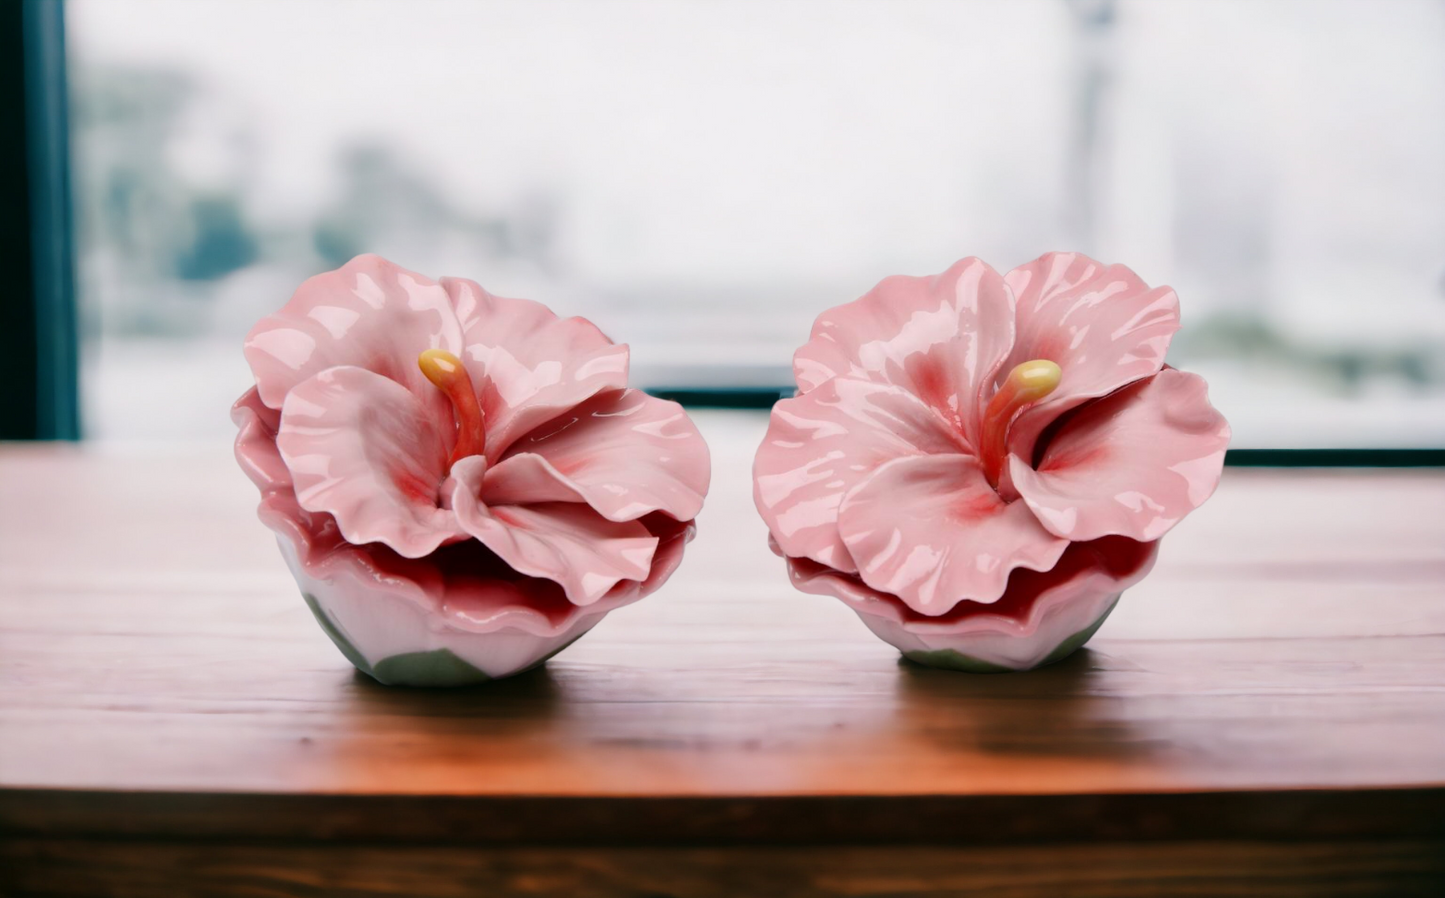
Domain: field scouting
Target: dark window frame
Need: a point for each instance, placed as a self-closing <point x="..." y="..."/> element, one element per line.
<point x="39" y="360"/>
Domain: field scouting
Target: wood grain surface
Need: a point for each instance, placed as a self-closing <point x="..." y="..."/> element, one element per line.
<point x="1272" y="698"/>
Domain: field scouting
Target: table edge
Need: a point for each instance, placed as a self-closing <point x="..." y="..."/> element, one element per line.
<point x="1353" y="813"/>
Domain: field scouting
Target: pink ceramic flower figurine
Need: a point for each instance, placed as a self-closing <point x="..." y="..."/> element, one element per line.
<point x="979" y="465"/>
<point x="462" y="484"/>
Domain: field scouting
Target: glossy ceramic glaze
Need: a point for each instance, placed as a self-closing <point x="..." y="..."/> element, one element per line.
<point x="1045" y="617"/>
<point x="879" y="472"/>
<point x="497" y="548"/>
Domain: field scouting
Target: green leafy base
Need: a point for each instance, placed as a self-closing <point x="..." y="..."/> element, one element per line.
<point x="439" y="667"/>
<point x="948" y="659"/>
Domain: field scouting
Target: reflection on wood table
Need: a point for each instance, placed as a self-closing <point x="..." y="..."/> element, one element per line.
<point x="1264" y="715"/>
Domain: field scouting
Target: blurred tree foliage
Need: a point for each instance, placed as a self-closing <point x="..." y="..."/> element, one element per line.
<point x="156" y="247"/>
<point x="220" y="241"/>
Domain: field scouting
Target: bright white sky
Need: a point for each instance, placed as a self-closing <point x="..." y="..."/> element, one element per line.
<point x="766" y="137"/>
<point x="736" y="142"/>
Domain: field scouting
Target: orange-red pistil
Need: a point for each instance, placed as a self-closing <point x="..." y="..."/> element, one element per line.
<point x="450" y="375"/>
<point x="1026" y="384"/>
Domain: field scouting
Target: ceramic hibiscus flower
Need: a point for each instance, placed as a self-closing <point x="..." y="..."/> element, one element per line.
<point x="462" y="484"/>
<point x="980" y="464"/>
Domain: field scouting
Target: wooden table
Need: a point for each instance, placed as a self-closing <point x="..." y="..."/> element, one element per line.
<point x="1264" y="716"/>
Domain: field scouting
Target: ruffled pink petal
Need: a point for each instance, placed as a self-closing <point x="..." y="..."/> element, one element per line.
<point x="362" y="448"/>
<point x="821" y="443"/>
<point x="465" y="584"/>
<point x="941" y="338"/>
<point x="256" y="443"/>
<point x="1132" y="463"/>
<point x="1101" y="567"/>
<point x="368" y="314"/>
<point x="533" y="604"/>
<point x="673" y="537"/>
<point x="527" y="364"/>
<point x="565" y="542"/>
<point x="932" y="531"/>
<point x="624" y="453"/>
<point x="527" y="479"/>
<point x="1103" y="326"/>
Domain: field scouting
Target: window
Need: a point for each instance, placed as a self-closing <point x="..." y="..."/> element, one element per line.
<point x="702" y="178"/>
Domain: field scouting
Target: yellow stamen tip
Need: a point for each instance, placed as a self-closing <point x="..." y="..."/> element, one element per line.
<point x="1034" y="379"/>
<point x="448" y="374"/>
<point x="440" y="367"/>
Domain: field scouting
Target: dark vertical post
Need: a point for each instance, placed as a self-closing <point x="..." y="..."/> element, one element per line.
<point x="38" y="339"/>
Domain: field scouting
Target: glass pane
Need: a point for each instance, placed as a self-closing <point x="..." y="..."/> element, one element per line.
<point x="702" y="178"/>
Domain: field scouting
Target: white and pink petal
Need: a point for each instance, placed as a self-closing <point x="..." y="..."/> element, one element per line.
<point x="361" y="447"/>
<point x="463" y="584"/>
<point x="623" y="452"/>
<point x="1133" y="463"/>
<point x="1101" y="324"/>
<point x="528" y="365"/>
<point x="566" y="542"/>
<point x="940" y="338"/>
<point x="822" y="443"/>
<point x="933" y="532"/>
<point x="367" y="314"/>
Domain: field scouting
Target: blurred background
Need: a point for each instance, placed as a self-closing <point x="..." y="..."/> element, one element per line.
<point x="703" y="178"/>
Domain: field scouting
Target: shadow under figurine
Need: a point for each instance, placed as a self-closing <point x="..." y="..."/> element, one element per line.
<point x="980" y="464"/>
<point x="462" y="484"/>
